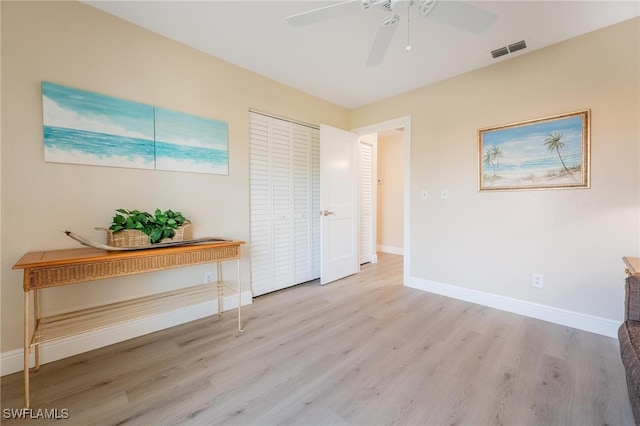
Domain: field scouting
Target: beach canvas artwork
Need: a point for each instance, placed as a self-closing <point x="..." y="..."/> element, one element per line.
<point x="88" y="128"/>
<point x="546" y="153"/>
<point x="189" y="143"/>
<point x="82" y="127"/>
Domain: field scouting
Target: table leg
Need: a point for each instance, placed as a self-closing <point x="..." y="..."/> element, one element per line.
<point x="219" y="286"/>
<point x="36" y="319"/>
<point x="26" y="349"/>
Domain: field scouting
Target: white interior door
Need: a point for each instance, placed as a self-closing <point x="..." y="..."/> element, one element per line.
<point x="339" y="227"/>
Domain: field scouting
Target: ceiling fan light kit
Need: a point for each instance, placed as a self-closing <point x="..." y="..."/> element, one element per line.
<point x="456" y="13"/>
<point x="391" y="20"/>
<point x="426" y="6"/>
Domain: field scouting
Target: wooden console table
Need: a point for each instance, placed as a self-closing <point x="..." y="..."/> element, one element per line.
<point x="633" y="265"/>
<point x="47" y="269"/>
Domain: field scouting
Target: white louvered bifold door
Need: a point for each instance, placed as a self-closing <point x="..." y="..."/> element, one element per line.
<point x="281" y="165"/>
<point x="302" y="203"/>
<point x="366" y="202"/>
<point x="315" y="203"/>
<point x="260" y="209"/>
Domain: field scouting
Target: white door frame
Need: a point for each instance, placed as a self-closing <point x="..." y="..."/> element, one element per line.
<point x="393" y="124"/>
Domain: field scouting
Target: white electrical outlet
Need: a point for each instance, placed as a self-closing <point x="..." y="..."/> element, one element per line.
<point x="537" y="280"/>
<point x="208" y="277"/>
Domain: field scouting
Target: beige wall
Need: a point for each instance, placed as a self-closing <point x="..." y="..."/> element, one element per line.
<point x="493" y="242"/>
<point x="390" y="215"/>
<point x="75" y="45"/>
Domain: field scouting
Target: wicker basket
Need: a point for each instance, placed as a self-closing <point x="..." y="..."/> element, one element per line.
<point x="136" y="238"/>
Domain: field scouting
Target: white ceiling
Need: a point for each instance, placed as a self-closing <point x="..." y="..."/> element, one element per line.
<point x="327" y="59"/>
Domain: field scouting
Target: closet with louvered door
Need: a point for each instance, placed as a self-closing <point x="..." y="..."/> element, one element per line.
<point x="284" y="179"/>
<point x="367" y="199"/>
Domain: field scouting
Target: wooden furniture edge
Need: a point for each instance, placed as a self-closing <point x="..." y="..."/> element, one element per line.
<point x="54" y="268"/>
<point x="44" y="258"/>
<point x="633" y="265"/>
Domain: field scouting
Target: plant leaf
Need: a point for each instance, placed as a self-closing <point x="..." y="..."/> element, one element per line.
<point x="167" y="233"/>
<point x="155" y="235"/>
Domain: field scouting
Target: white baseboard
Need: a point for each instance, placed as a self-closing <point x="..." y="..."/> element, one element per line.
<point x="593" y="324"/>
<point x="12" y="361"/>
<point x="390" y="250"/>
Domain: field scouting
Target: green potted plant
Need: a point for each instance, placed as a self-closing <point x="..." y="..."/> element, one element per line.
<point x="156" y="227"/>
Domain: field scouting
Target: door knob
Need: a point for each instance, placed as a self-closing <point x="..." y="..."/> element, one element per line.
<point x="326" y="213"/>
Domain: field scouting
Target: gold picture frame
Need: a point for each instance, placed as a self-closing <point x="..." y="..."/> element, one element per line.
<point x="545" y="153"/>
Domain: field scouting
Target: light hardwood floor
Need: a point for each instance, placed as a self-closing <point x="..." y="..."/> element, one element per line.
<point x="361" y="351"/>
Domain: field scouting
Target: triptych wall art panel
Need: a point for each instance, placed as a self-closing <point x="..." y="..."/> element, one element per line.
<point x="81" y="127"/>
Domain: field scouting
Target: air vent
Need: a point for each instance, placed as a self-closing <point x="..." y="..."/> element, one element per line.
<point x="517" y="46"/>
<point x="499" y="52"/>
<point x="512" y="48"/>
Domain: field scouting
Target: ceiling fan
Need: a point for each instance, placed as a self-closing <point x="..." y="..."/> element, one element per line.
<point x="456" y="13"/>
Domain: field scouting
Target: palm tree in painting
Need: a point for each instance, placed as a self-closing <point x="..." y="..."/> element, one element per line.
<point x="496" y="154"/>
<point x="492" y="158"/>
<point x="487" y="160"/>
<point x="554" y="142"/>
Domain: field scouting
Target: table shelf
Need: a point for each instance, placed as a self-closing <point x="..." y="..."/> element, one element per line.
<point x="72" y="323"/>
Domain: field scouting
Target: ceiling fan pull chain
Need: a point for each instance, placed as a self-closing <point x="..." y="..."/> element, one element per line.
<point x="408" y="48"/>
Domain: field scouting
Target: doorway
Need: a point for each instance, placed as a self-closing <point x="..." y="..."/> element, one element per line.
<point x="400" y="130"/>
<point x="390" y="196"/>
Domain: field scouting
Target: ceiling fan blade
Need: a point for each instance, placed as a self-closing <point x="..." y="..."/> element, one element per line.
<point x="463" y="15"/>
<point x="382" y="40"/>
<point x="324" y="13"/>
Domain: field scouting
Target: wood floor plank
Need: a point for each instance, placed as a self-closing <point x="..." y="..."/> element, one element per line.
<point x="364" y="350"/>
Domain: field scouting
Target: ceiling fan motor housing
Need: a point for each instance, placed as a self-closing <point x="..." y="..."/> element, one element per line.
<point x="398" y="5"/>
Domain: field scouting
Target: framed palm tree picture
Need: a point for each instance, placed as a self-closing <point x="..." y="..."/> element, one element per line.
<point x="544" y="153"/>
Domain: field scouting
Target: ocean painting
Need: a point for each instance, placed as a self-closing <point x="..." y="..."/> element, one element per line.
<point x="189" y="143"/>
<point x="87" y="128"/>
<point x="82" y="127"/>
<point x="546" y="153"/>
